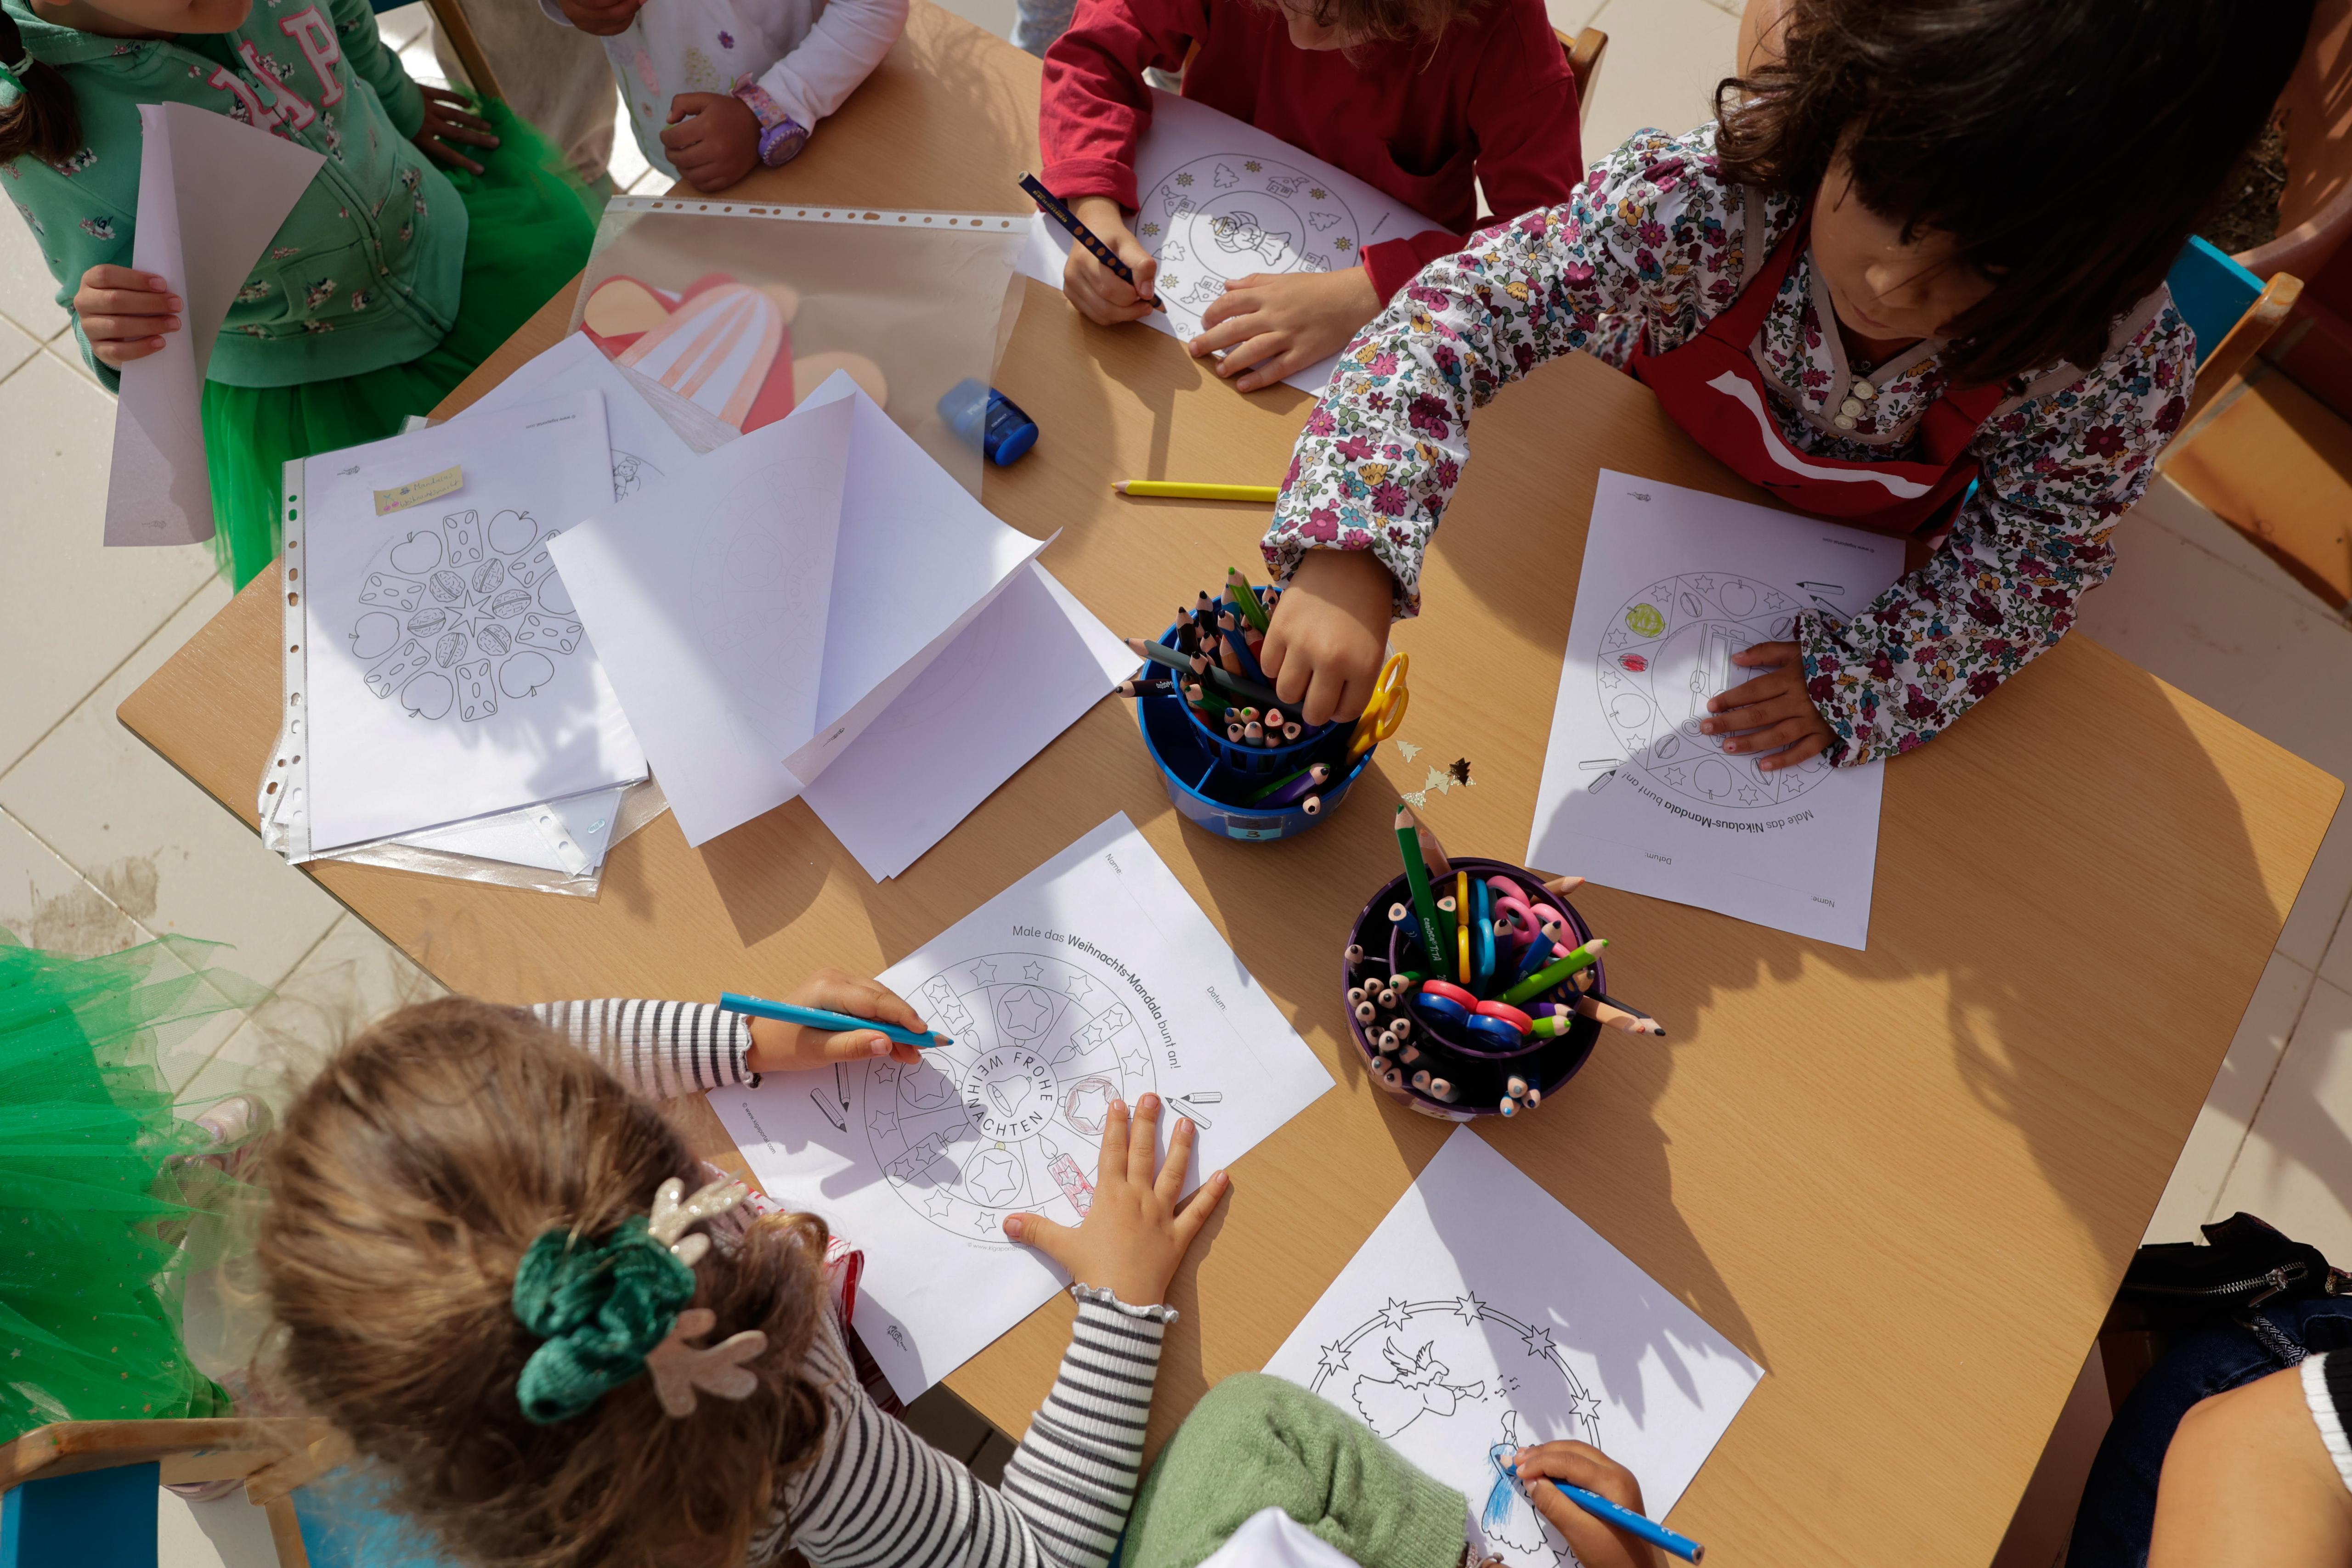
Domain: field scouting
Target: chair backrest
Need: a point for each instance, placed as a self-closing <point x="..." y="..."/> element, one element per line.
<point x="1584" y="52"/>
<point x="449" y="15"/>
<point x="2315" y="208"/>
<point x="2212" y="291"/>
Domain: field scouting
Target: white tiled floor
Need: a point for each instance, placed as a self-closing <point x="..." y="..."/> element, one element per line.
<point x="102" y="846"/>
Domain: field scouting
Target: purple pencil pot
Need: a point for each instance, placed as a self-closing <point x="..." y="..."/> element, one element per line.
<point x="1427" y="1055"/>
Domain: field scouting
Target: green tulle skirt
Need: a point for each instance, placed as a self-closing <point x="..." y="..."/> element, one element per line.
<point x="103" y="1211"/>
<point x="529" y="225"/>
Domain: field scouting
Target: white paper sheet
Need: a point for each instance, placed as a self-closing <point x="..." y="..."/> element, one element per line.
<point x="449" y="676"/>
<point x="569" y="836"/>
<point x="1481" y="1316"/>
<point x="1221" y="200"/>
<point x="1095" y="976"/>
<point x="1676" y="582"/>
<point x="212" y="192"/>
<point x="645" y="447"/>
<point x="770" y="600"/>
<point x="947" y="744"/>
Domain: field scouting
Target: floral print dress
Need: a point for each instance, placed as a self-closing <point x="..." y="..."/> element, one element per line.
<point x="1657" y="242"/>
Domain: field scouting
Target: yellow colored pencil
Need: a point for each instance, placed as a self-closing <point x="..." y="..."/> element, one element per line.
<point x="1177" y="490"/>
<point x="1462" y="919"/>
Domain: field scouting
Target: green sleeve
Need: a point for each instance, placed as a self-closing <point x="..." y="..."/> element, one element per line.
<point x="1255" y="1442"/>
<point x="363" y="51"/>
<point x="76" y="229"/>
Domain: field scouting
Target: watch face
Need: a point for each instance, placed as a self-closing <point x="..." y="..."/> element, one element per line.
<point x="781" y="144"/>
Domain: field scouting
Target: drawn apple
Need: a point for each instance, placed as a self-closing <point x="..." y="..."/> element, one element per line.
<point x="428" y="696"/>
<point x="418" y="554"/>
<point x="553" y="597"/>
<point x="525" y="674"/>
<point x="512" y="532"/>
<point x="374" y="634"/>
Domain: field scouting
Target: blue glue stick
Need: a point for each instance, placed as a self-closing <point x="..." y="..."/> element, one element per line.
<point x="984" y="418"/>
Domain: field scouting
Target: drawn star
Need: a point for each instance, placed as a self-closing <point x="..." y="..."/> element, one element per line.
<point x="1314" y="193"/>
<point x="1253" y="166"/>
<point x="1334" y="1362"/>
<point x="1471" y="1307"/>
<point x="1079" y="987"/>
<point x="1702" y="584"/>
<point x="885" y="1122"/>
<point x="1590" y="1409"/>
<point x="1133" y="1065"/>
<point x="980" y="1222"/>
<point x="1149" y="229"/>
<point x="1033" y="971"/>
<point x="1396" y="1314"/>
<point x="1674" y="775"/>
<point x="1407" y="749"/>
<point x="1749" y="794"/>
<point x="1614" y="639"/>
<point x="983" y="971"/>
<point x="940" y="1205"/>
<point x="1539" y="1343"/>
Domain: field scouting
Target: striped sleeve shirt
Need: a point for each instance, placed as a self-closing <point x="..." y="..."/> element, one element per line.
<point x="877" y="1495"/>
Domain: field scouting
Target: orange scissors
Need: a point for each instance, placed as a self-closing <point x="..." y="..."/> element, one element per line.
<point x="1385" y="711"/>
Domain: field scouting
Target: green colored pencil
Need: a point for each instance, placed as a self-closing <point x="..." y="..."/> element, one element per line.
<point x="1552" y="974"/>
<point x="1245" y="600"/>
<point x="1416" y="876"/>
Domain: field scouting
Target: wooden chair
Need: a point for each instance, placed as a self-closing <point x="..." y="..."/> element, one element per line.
<point x="1584" y="50"/>
<point x="82" y="1494"/>
<point x="449" y="15"/>
<point x="2315" y="208"/>
<point x="2232" y="312"/>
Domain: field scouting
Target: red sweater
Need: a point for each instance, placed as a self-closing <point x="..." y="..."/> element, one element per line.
<point x="1490" y="101"/>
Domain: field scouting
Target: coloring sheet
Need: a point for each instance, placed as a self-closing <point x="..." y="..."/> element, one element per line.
<point x="1221" y="200"/>
<point x="889" y="800"/>
<point x="763" y="607"/>
<point x="1482" y="1316"/>
<point x="212" y="191"/>
<point x="645" y="448"/>
<point x="1676" y="583"/>
<point x="1094" y="977"/>
<point x="449" y="675"/>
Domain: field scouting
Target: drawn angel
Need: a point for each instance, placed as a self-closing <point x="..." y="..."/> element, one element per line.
<point x="1509" y="1520"/>
<point x="1390" y="1404"/>
<point x="1241" y="234"/>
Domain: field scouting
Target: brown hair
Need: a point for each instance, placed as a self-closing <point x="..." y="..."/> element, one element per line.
<point x="2069" y="146"/>
<point x="43" y="122"/>
<point x="406" y="1184"/>
<point x="1387" y="21"/>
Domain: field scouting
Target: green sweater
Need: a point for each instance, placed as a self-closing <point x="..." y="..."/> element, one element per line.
<point x="364" y="272"/>
<point x="1255" y="1442"/>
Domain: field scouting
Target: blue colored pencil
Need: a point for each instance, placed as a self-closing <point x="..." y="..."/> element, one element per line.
<point x="818" y="1018"/>
<point x="1053" y="207"/>
<point x="1482" y="935"/>
<point x="1251" y="668"/>
<point x="1631" y="1523"/>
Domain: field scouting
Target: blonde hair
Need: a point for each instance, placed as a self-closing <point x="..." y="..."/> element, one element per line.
<point x="407" y="1182"/>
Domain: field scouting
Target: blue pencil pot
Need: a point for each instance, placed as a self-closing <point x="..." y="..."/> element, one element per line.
<point x="1210" y="778"/>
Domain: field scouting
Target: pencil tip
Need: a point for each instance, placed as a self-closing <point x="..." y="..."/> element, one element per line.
<point x="1119" y="486"/>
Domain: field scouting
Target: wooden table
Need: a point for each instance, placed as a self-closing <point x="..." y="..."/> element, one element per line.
<point x="1904" y="1180"/>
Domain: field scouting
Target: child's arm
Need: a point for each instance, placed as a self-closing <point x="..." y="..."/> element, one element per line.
<point x="666" y="1049"/>
<point x="1383" y="452"/>
<point x="715" y="139"/>
<point x="1597" y="1545"/>
<point x="879" y="1495"/>
<point x="363" y="51"/>
<point x="1093" y="108"/>
<point x="2058" y="472"/>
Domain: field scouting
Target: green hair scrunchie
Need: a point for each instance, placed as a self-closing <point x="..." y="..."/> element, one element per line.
<point x="600" y="1307"/>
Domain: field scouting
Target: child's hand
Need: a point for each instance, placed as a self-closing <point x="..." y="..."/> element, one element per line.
<point x="718" y="144"/>
<point x="1583" y="1465"/>
<point x="780" y="1047"/>
<point x="125" y="314"/>
<point x="1330" y="632"/>
<point x="1273" y="325"/>
<point x="1774" y="705"/>
<point x="1134" y="1235"/>
<point x="603" y="18"/>
<point x="1100" y="294"/>
<point x="447" y="120"/>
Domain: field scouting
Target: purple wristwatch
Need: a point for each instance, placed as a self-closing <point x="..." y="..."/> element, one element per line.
<point x="780" y="136"/>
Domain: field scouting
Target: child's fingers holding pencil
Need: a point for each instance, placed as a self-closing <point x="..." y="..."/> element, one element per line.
<point x="1597" y="1545"/>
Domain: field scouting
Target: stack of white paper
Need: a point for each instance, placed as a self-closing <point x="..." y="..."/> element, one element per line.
<point x="763" y="609"/>
<point x="437" y="672"/>
<point x="1094" y="978"/>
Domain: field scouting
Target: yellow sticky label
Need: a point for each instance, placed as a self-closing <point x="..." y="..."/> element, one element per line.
<point x="417" y="492"/>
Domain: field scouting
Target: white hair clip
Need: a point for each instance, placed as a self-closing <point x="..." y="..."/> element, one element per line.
<point x="671" y="1216"/>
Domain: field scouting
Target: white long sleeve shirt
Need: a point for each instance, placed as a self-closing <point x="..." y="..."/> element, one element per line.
<point x="808" y="55"/>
